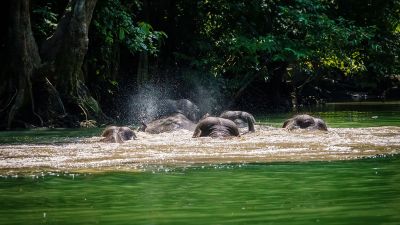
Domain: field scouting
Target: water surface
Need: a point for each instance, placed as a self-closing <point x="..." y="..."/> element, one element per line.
<point x="346" y="114"/>
<point x="348" y="175"/>
<point x="341" y="192"/>
<point x="356" y="130"/>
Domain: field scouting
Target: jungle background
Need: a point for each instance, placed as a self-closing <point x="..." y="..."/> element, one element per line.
<point x="88" y="63"/>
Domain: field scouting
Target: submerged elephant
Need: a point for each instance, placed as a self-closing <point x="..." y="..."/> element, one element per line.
<point x="239" y="117"/>
<point x="174" y="122"/>
<point x="116" y="134"/>
<point x="305" y="122"/>
<point x="187" y="108"/>
<point x="216" y="127"/>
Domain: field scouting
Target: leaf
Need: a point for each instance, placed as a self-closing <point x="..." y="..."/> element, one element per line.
<point x="121" y="35"/>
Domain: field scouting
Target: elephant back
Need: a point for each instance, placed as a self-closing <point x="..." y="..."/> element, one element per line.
<point x="169" y="107"/>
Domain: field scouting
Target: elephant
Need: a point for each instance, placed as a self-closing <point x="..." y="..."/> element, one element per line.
<point x="114" y="134"/>
<point x="305" y="121"/>
<point x="216" y="127"/>
<point x="184" y="106"/>
<point x="239" y="117"/>
<point x="170" y="123"/>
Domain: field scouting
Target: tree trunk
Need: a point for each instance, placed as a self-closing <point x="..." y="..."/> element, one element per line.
<point x="22" y="61"/>
<point x="64" y="52"/>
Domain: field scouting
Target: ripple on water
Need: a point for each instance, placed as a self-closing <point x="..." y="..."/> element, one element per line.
<point x="179" y="148"/>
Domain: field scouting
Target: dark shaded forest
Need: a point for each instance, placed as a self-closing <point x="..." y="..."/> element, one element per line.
<point x="84" y="63"/>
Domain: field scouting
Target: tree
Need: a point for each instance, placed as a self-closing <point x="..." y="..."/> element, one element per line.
<point x="122" y="44"/>
<point x="266" y="40"/>
<point x="22" y="62"/>
<point x="381" y="53"/>
<point x="64" y="53"/>
<point x="58" y="79"/>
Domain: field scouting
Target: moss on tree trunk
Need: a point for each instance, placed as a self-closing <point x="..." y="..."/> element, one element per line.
<point x="58" y="85"/>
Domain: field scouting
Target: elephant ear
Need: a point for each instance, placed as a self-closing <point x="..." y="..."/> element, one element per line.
<point x="111" y="136"/>
<point x="320" y="124"/>
<point x="108" y="131"/>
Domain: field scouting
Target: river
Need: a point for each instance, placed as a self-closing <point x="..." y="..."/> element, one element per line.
<point x="348" y="175"/>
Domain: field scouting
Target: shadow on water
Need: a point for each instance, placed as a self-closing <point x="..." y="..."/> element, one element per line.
<point x="341" y="192"/>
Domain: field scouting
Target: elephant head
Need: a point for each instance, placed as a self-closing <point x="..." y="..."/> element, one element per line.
<point x="114" y="134"/>
<point x="239" y="117"/>
<point x="184" y="106"/>
<point x="216" y="127"/>
<point x="166" y="124"/>
<point x="305" y="121"/>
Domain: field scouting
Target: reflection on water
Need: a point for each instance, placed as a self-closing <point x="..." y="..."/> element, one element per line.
<point x="365" y="192"/>
<point x="347" y="114"/>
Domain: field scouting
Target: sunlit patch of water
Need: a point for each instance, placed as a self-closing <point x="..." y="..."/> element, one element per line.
<point x="180" y="149"/>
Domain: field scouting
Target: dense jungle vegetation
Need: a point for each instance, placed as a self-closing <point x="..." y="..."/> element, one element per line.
<point x="84" y="63"/>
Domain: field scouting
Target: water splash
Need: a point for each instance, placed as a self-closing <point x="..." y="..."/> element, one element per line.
<point x="180" y="149"/>
<point x="145" y="104"/>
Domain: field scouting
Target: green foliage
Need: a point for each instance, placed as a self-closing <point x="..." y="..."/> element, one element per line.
<point x="116" y="24"/>
<point x="381" y="53"/>
<point x="44" y="19"/>
<point x="294" y="32"/>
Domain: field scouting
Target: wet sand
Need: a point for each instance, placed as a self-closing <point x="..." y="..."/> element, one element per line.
<point x="178" y="148"/>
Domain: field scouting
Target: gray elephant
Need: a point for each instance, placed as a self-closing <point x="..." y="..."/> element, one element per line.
<point x="216" y="127"/>
<point x="240" y="117"/>
<point x="187" y="108"/>
<point x="166" y="124"/>
<point x="305" y="121"/>
<point x="114" y="134"/>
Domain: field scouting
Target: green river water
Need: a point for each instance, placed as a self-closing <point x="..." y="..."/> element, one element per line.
<point x="362" y="191"/>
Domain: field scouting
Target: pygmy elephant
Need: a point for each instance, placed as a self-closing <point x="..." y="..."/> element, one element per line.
<point x="166" y="124"/>
<point x="305" y="121"/>
<point x="116" y="134"/>
<point x="216" y="127"/>
<point x="186" y="107"/>
<point x="239" y="117"/>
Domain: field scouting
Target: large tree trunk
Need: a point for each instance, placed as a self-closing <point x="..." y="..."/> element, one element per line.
<point x="22" y="60"/>
<point x="67" y="47"/>
<point x="64" y="54"/>
<point x="58" y="82"/>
